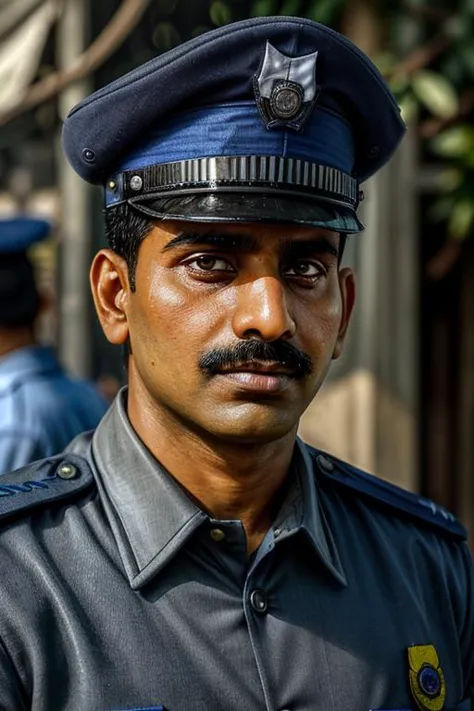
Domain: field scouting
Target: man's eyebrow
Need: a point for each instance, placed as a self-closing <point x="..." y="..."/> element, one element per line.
<point x="305" y="248"/>
<point x="222" y="241"/>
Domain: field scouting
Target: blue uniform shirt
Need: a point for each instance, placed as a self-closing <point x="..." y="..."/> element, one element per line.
<point x="41" y="408"/>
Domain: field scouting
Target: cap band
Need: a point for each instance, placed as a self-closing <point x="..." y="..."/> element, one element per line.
<point x="262" y="174"/>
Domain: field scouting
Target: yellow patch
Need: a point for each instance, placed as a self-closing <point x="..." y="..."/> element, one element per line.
<point x="427" y="683"/>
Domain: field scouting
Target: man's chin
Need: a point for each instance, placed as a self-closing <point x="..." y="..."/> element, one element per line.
<point x="255" y="430"/>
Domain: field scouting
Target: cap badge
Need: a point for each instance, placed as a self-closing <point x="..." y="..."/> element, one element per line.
<point x="286" y="88"/>
<point x="427" y="683"/>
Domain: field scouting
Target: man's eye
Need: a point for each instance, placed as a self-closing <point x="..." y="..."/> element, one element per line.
<point x="304" y="269"/>
<point x="210" y="263"/>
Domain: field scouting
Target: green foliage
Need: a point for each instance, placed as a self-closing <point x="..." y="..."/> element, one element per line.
<point x="220" y="13"/>
<point x="264" y="8"/>
<point x="456" y="142"/>
<point x="436" y="93"/>
<point x="291" y="7"/>
<point x="166" y="36"/>
<point x="165" y="8"/>
<point x="324" y="10"/>
<point x="461" y="219"/>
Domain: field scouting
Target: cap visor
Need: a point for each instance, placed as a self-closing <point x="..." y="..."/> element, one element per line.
<point x="250" y="207"/>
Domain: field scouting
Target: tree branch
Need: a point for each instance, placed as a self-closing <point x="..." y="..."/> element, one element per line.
<point x="432" y="126"/>
<point x="444" y="260"/>
<point x="123" y="22"/>
<point x="421" y="57"/>
<point x="430" y="14"/>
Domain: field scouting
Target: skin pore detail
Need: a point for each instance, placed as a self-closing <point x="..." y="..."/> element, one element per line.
<point x="232" y="330"/>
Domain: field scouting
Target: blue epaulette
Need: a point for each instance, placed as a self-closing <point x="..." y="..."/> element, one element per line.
<point x="388" y="495"/>
<point x="42" y="483"/>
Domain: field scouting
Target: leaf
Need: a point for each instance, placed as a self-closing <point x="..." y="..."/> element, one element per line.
<point x="291" y="8"/>
<point x="400" y="83"/>
<point x="200" y="30"/>
<point x="220" y="13"/>
<point x="454" y="142"/>
<point x="461" y="220"/>
<point x="436" y="93"/>
<point x="166" y="8"/>
<point x="385" y="62"/>
<point x="166" y="36"/>
<point x="323" y="11"/>
<point x="441" y="209"/>
<point x="452" y="67"/>
<point x="451" y="179"/>
<point x="455" y="28"/>
<point x="467" y="56"/>
<point x="409" y="108"/>
<point x="264" y="8"/>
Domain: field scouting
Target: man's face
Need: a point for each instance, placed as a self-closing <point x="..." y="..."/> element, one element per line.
<point x="233" y="327"/>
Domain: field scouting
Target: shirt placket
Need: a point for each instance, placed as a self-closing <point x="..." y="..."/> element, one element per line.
<point x="256" y="599"/>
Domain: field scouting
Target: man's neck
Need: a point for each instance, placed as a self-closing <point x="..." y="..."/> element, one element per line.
<point x="231" y="481"/>
<point x="14" y="339"/>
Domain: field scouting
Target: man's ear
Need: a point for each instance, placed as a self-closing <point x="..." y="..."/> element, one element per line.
<point x="111" y="290"/>
<point x="347" y="285"/>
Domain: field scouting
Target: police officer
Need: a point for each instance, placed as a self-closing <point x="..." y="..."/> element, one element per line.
<point x="41" y="408"/>
<point x="193" y="553"/>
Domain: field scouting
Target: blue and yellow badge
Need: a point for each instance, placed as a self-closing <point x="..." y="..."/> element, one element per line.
<point x="427" y="683"/>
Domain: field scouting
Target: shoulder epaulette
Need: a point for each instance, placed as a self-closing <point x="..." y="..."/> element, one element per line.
<point x="388" y="495"/>
<point x="43" y="482"/>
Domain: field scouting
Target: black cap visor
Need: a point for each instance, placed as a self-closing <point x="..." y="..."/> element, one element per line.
<point x="250" y="207"/>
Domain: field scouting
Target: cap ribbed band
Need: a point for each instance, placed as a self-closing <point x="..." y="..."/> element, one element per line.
<point x="264" y="174"/>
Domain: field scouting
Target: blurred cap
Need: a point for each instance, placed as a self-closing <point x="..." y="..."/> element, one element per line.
<point x="19" y="299"/>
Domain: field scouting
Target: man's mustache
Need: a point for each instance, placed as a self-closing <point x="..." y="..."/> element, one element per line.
<point x="276" y="352"/>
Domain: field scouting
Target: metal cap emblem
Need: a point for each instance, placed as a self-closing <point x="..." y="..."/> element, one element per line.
<point x="286" y="89"/>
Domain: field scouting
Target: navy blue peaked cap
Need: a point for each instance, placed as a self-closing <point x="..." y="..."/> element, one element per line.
<point x="17" y="234"/>
<point x="274" y="118"/>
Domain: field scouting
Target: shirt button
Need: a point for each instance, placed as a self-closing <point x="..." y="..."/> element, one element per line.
<point x="325" y="464"/>
<point x="217" y="535"/>
<point x="258" y="600"/>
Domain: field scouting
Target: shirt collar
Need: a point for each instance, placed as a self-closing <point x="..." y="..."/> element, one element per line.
<point x="150" y="514"/>
<point x="313" y="521"/>
<point x="152" y="517"/>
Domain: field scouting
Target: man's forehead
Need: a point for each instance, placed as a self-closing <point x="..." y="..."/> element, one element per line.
<point x="246" y="236"/>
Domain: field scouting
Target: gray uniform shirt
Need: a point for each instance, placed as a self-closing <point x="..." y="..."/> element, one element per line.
<point x="120" y="593"/>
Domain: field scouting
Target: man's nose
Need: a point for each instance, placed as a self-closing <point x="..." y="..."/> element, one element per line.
<point x="262" y="311"/>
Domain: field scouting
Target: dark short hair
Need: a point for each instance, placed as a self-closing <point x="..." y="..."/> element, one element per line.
<point x="125" y="229"/>
<point x="19" y="298"/>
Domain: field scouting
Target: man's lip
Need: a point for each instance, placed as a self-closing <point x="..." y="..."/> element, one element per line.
<point x="260" y="368"/>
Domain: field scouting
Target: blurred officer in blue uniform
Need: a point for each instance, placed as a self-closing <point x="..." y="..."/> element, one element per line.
<point x="193" y="553"/>
<point x="41" y="408"/>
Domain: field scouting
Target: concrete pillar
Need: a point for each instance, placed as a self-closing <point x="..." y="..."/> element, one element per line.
<point x="367" y="411"/>
<point x="75" y="221"/>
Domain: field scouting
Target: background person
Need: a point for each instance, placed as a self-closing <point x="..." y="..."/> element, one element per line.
<point x="41" y="407"/>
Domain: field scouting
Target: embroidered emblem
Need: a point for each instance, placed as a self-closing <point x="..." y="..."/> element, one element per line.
<point x="286" y="89"/>
<point x="427" y="683"/>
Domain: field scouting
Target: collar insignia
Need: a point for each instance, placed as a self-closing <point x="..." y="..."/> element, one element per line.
<point x="427" y="683"/>
<point x="286" y="89"/>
